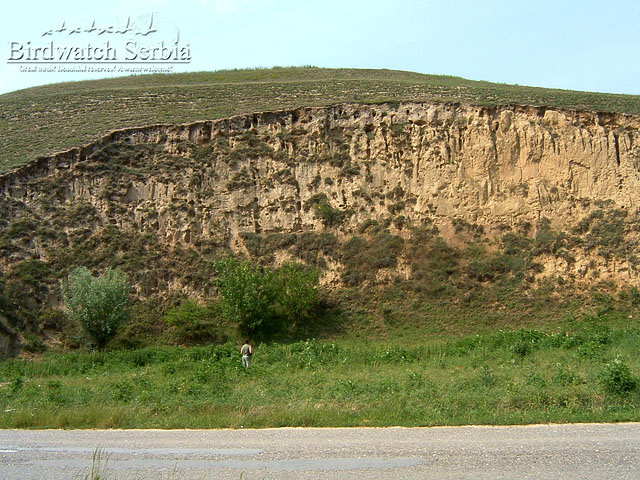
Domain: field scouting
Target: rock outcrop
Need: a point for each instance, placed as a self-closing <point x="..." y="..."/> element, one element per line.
<point x="209" y="184"/>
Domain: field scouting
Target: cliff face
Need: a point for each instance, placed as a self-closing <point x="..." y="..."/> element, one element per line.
<point x="216" y="184"/>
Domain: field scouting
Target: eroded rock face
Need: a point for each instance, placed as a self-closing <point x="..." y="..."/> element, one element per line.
<point x="333" y="168"/>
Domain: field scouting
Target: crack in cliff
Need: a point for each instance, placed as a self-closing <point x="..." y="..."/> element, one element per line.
<point x="616" y="146"/>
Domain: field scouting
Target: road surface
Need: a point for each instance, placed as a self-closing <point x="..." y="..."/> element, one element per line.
<point x="600" y="452"/>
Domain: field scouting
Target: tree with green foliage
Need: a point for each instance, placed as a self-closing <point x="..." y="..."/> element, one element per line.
<point x="295" y="294"/>
<point x="263" y="300"/>
<point x="243" y="294"/>
<point x="98" y="304"/>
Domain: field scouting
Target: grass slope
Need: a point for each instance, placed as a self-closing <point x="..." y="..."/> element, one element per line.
<point x="42" y="120"/>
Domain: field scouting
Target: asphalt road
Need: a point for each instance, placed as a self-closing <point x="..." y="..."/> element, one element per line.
<point x="600" y="452"/>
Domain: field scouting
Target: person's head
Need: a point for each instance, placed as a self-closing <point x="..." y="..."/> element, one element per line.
<point x="246" y="341"/>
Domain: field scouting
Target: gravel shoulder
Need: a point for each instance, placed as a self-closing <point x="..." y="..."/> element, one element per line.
<point x="589" y="451"/>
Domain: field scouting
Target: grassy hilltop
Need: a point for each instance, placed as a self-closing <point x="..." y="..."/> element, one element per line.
<point x="42" y="120"/>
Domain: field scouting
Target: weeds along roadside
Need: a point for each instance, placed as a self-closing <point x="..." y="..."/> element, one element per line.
<point x="586" y="374"/>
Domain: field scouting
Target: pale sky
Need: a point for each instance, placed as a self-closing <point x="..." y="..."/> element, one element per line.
<point x="579" y="45"/>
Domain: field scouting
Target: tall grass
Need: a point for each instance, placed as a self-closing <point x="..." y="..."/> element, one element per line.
<point x="98" y="470"/>
<point x="587" y="374"/>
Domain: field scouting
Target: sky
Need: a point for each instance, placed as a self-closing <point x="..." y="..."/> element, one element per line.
<point x="578" y="45"/>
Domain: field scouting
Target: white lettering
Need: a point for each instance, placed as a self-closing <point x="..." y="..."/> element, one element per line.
<point x="130" y="49"/>
<point x="16" y="48"/>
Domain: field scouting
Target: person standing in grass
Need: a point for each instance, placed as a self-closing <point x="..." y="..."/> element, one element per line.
<point x="246" y="353"/>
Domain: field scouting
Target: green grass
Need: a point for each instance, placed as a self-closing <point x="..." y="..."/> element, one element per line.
<point x="42" y="120"/>
<point x="585" y="371"/>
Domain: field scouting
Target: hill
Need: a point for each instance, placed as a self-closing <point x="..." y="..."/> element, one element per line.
<point x="429" y="204"/>
<point x="42" y="120"/>
<point x="476" y="243"/>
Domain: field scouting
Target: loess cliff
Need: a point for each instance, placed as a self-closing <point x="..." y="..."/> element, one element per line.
<point x="327" y="185"/>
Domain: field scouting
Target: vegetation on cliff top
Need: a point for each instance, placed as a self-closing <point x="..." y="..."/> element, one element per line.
<point x="51" y="118"/>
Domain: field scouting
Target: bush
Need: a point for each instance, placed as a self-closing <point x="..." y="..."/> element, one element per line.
<point x="23" y="292"/>
<point x="194" y="322"/>
<point x="33" y="344"/>
<point x="263" y="301"/>
<point x="331" y="217"/>
<point x="312" y="247"/>
<point x="494" y="267"/>
<point x="433" y="260"/>
<point x="243" y="297"/>
<point x="364" y="256"/>
<point x="98" y="304"/>
<point x="295" y="291"/>
<point x="52" y="319"/>
<point x="515" y="244"/>
<point x="617" y="377"/>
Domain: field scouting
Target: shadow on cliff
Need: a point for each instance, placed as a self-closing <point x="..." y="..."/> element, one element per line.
<point x="327" y="320"/>
<point x="9" y="341"/>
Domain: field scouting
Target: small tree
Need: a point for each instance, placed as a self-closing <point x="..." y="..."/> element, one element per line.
<point x="263" y="300"/>
<point x="98" y="304"/>
<point x="245" y="293"/>
<point x="296" y="291"/>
